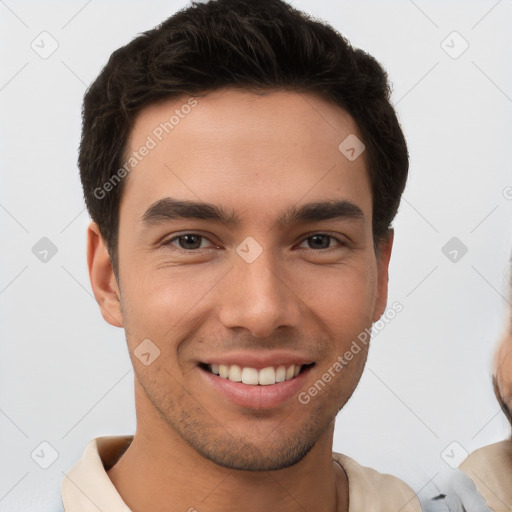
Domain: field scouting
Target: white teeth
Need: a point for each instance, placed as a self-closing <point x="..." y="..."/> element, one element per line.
<point x="280" y="374"/>
<point x="267" y="376"/>
<point x="250" y="376"/>
<point x="235" y="373"/>
<point x="223" y="371"/>
<point x="253" y="377"/>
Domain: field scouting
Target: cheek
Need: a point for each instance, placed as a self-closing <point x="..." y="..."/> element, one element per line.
<point x="344" y="298"/>
<point x="504" y="368"/>
<point x="159" y="304"/>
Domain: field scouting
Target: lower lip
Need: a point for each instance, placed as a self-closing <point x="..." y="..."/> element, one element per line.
<point x="256" y="397"/>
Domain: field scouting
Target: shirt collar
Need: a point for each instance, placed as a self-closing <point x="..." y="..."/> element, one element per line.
<point x="87" y="487"/>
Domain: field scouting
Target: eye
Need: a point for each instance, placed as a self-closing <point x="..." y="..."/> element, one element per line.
<point x="321" y="241"/>
<point x="186" y="242"/>
<point x="189" y="242"/>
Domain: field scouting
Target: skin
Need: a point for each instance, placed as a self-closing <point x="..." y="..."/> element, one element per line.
<point x="503" y="367"/>
<point x="256" y="155"/>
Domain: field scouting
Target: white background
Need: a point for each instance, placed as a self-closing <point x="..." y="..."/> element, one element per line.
<point x="65" y="375"/>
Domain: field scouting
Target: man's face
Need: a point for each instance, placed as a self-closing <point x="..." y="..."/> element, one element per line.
<point x="270" y="290"/>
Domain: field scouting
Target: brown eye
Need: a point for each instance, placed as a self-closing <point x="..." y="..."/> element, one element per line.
<point x="321" y="241"/>
<point x="190" y="241"/>
<point x="186" y="242"/>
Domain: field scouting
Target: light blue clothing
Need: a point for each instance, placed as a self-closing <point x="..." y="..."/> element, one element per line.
<point x="458" y="494"/>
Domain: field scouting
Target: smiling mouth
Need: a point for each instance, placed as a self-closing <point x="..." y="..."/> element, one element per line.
<point x="254" y="377"/>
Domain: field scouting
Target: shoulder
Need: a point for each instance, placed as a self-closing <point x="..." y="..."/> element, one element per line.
<point x="490" y="469"/>
<point x="492" y="456"/>
<point x="372" y="491"/>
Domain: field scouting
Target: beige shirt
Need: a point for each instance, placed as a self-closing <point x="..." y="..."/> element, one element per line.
<point x="87" y="487"/>
<point x="490" y="468"/>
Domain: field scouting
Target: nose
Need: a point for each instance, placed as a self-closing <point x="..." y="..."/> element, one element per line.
<point x="259" y="297"/>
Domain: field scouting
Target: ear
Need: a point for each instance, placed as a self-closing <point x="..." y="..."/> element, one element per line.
<point x="383" y="257"/>
<point x="102" y="277"/>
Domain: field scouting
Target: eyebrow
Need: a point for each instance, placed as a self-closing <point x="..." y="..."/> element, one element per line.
<point x="173" y="209"/>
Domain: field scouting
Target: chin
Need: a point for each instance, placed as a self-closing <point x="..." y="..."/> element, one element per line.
<point x="247" y="457"/>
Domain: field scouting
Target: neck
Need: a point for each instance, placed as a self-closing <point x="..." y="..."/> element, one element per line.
<point x="160" y="472"/>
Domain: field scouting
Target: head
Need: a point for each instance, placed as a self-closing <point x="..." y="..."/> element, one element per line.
<point x="227" y="128"/>
<point x="503" y="363"/>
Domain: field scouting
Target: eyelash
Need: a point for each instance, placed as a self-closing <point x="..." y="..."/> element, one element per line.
<point x="177" y="237"/>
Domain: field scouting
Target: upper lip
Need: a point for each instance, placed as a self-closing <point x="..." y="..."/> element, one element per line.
<point x="258" y="360"/>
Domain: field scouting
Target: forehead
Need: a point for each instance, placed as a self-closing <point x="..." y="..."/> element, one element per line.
<point x="233" y="145"/>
